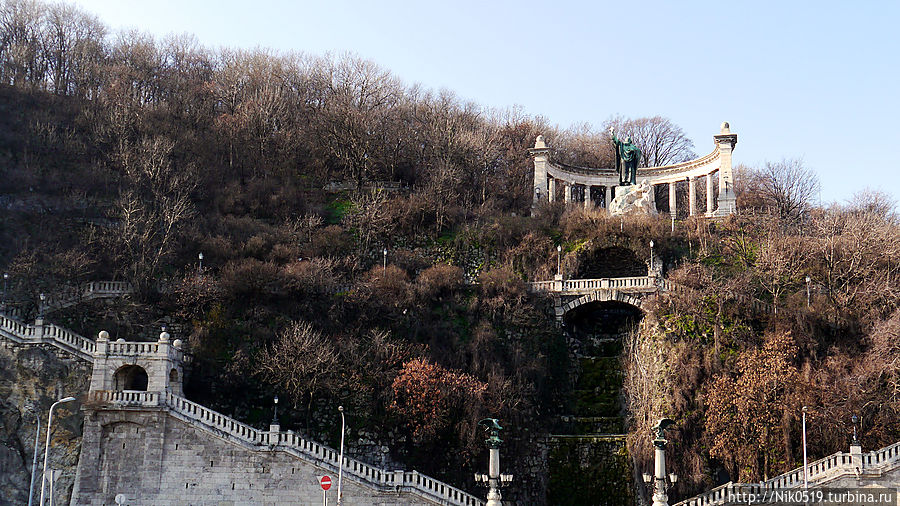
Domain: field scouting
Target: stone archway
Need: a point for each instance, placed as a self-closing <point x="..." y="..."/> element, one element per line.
<point x="131" y="377"/>
<point x="603" y="295"/>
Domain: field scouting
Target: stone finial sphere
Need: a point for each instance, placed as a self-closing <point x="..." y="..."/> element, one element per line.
<point x="103" y="335"/>
<point x="726" y="128"/>
<point x="120" y="340"/>
<point x="164" y="337"/>
<point x="177" y="343"/>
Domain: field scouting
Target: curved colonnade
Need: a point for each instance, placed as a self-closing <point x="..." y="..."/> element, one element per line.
<point x="579" y="183"/>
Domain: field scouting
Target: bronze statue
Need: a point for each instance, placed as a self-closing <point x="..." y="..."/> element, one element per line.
<point x="627" y="157"/>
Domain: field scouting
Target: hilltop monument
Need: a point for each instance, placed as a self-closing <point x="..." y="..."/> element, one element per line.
<point x="627" y="157"/>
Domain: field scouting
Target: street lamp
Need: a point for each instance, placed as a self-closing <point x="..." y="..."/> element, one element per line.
<point x="559" y="261"/>
<point x="807" y="290"/>
<point x="341" y="459"/>
<point x="805" y="469"/>
<point x="37" y="443"/>
<point x="41" y="306"/>
<point x="47" y="445"/>
<point x="200" y="257"/>
<point x="5" y="280"/>
<point x="494" y="480"/>
<point x="651" y="255"/>
<point x="855" y="420"/>
<point x="275" y="418"/>
<point x="659" y="490"/>
<point x="384" y="263"/>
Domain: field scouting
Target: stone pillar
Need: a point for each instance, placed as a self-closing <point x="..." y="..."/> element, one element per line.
<point x="607" y="196"/>
<point x="692" y="195"/>
<point x="709" y="194"/>
<point x="673" y="209"/>
<point x="725" y="143"/>
<point x="551" y="194"/>
<point x="541" y="154"/>
<point x="567" y="192"/>
<point x="587" y="196"/>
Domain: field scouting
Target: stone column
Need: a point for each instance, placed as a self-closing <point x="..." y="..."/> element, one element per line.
<point x="673" y="209"/>
<point x="607" y="192"/>
<point x="587" y="197"/>
<point x="551" y="194"/>
<point x="709" y="194"/>
<point x="692" y="195"/>
<point x="541" y="154"/>
<point x="725" y="143"/>
<point x="567" y="192"/>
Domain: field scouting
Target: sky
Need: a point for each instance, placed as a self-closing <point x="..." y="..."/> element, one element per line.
<point x="817" y="80"/>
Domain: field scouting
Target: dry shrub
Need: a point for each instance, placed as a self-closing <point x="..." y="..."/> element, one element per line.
<point x="385" y="287"/>
<point x="429" y="396"/>
<point x="311" y="277"/>
<point x="250" y="278"/>
<point x="439" y="281"/>
<point x="328" y="242"/>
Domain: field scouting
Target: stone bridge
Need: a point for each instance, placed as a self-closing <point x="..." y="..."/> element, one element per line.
<point x="571" y="293"/>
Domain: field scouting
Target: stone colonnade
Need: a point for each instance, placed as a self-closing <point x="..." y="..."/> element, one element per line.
<point x="578" y="182"/>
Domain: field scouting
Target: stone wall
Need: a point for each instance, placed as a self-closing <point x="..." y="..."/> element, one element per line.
<point x="154" y="458"/>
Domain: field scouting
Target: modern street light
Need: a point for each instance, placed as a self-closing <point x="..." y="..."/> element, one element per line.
<point x="807" y="290"/>
<point x="37" y="443"/>
<point x="805" y="464"/>
<point x="47" y="445"/>
<point x="340" y="497"/>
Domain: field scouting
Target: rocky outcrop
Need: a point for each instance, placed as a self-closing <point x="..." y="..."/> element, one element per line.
<point x="31" y="379"/>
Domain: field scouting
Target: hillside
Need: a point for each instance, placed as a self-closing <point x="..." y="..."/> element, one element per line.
<point x="366" y="244"/>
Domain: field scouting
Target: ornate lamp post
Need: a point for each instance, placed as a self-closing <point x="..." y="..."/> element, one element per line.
<point x="47" y="445"/>
<point x="275" y="416"/>
<point x="651" y="255"/>
<point x="384" y="262"/>
<point x="200" y="257"/>
<point x="41" y="306"/>
<point x="5" y="281"/>
<point x="494" y="480"/>
<point x="659" y="490"/>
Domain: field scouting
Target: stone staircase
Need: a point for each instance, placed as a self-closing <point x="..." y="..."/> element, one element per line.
<point x="212" y="422"/>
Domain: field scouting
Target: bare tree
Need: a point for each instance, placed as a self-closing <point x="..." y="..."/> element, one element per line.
<point x="301" y="362"/>
<point x="787" y="187"/>
<point x="661" y="141"/>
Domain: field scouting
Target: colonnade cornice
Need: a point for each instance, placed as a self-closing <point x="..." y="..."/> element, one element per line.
<point x="697" y="167"/>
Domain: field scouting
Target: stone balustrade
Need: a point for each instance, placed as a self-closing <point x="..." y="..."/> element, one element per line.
<point x="291" y="442"/>
<point x="47" y="333"/>
<point x="580" y="184"/>
<point x="818" y="471"/>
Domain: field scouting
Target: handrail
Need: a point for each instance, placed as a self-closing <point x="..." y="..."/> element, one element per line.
<point x="571" y="285"/>
<point x="297" y="445"/>
<point x="818" y="470"/>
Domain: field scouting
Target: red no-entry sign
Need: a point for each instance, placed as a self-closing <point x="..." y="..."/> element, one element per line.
<point x="325" y="481"/>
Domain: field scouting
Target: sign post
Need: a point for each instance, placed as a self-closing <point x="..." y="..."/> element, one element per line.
<point x="325" y="483"/>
